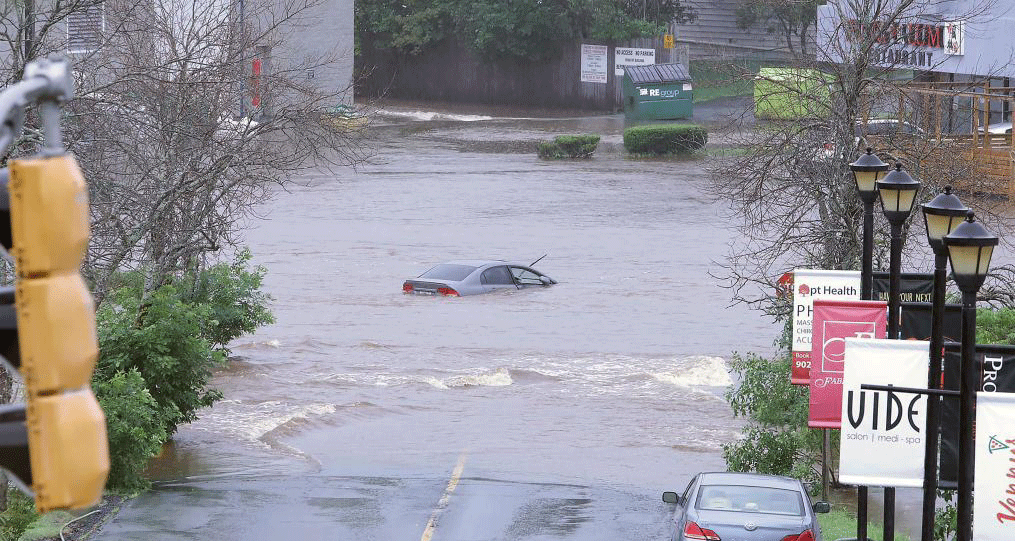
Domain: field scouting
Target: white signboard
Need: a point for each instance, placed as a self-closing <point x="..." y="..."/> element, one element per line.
<point x="631" y="56"/>
<point x="594" y="63"/>
<point x="994" y="477"/>
<point x="882" y="435"/>
<point x="810" y="284"/>
<point x="954" y="37"/>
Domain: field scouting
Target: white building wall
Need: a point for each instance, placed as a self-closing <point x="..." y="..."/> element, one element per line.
<point x="986" y="46"/>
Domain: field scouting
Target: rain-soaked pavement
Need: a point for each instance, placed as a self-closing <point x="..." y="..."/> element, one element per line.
<point x="558" y="413"/>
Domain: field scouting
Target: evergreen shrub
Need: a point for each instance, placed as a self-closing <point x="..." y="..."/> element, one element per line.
<point x="665" y="138"/>
<point x="568" y="146"/>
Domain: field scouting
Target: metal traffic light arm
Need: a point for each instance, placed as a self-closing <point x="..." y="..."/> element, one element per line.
<point x="47" y="81"/>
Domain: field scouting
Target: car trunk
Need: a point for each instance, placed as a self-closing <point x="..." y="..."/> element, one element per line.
<point x="425" y="287"/>
<point x="730" y="525"/>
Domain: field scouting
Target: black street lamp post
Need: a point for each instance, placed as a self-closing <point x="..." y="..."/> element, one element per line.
<point x="867" y="169"/>
<point x="941" y="215"/>
<point x="898" y="192"/>
<point x="970" y="247"/>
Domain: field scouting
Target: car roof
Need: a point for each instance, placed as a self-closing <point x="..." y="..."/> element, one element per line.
<point x="750" y="479"/>
<point x="483" y="262"/>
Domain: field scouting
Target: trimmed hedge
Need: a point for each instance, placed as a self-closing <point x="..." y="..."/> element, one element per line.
<point x="665" y="138"/>
<point x="568" y="146"/>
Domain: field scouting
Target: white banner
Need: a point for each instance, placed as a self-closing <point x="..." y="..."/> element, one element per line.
<point x="631" y="56"/>
<point x="881" y="440"/>
<point x="594" y="63"/>
<point x="810" y="284"/>
<point x="994" y="480"/>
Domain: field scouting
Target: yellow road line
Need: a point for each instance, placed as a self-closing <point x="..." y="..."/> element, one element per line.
<point x="443" y="502"/>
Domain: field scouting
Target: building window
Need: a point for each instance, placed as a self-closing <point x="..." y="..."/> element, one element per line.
<point x="84" y="28"/>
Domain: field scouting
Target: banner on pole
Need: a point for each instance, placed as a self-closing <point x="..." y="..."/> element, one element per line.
<point x="833" y="322"/>
<point x="994" y="478"/>
<point x="882" y="436"/>
<point x="913" y="286"/>
<point x="917" y="321"/>
<point x="997" y="370"/>
<point x="810" y="284"/>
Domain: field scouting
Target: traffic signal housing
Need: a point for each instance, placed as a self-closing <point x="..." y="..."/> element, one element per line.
<point x="53" y="342"/>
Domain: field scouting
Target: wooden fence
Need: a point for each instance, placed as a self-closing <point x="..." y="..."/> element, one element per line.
<point x="992" y="153"/>
<point x="453" y="73"/>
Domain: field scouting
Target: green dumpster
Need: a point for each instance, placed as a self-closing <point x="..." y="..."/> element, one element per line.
<point x="657" y="92"/>
<point x="791" y="93"/>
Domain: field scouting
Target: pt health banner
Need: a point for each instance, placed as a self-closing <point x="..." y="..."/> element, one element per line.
<point x="833" y="322"/>
<point x="994" y="477"/>
<point x="881" y="440"/>
<point x="810" y="284"/>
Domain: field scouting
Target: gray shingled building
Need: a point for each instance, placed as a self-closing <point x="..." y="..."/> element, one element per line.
<point x="715" y="33"/>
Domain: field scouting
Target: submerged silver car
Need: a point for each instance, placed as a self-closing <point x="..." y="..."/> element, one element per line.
<point x="471" y="277"/>
<point x="730" y="506"/>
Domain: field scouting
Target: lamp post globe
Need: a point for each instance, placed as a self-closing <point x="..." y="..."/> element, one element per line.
<point x="867" y="170"/>
<point x="970" y="248"/>
<point x="898" y="192"/>
<point x="941" y="215"/>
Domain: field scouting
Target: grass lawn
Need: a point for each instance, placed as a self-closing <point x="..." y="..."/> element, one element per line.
<point x="840" y="523"/>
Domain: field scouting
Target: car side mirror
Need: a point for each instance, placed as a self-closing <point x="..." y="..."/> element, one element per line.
<point x="546" y="280"/>
<point x="822" y="507"/>
<point x="671" y="497"/>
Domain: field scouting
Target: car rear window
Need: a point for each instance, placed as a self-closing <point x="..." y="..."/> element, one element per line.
<point x="751" y="499"/>
<point x="449" y="271"/>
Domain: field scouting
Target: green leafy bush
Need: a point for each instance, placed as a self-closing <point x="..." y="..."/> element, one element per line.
<point x="995" y="326"/>
<point x="163" y="340"/>
<point x="665" y="138"/>
<point x="776" y="439"/>
<point x="568" y="146"/>
<point x="134" y="425"/>
<point x="233" y="294"/>
<point x="158" y="352"/>
<point x="19" y="514"/>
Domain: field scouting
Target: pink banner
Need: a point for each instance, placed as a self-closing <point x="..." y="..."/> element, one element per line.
<point x="834" y="321"/>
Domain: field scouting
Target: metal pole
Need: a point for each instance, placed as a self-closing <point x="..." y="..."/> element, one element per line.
<point x="895" y="282"/>
<point x="934" y="402"/>
<point x="867" y="272"/>
<point x="968" y="382"/>
<point x="894" y="307"/>
<point x="866" y="293"/>
<point x="826" y="449"/>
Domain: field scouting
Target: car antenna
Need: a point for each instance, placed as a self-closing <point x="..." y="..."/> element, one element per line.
<point x="538" y="260"/>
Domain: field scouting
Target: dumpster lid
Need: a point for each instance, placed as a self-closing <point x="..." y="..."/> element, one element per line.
<point x="657" y="73"/>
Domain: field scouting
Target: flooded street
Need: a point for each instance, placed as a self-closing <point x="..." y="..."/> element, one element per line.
<point x="550" y="413"/>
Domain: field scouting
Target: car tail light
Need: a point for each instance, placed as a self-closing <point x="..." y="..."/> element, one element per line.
<point x="829" y="146"/>
<point x="806" y="535"/>
<point x="697" y="533"/>
<point x="407" y="288"/>
<point x="447" y="292"/>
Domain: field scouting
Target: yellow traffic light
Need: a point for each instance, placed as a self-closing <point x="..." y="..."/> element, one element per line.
<point x="49" y="215"/>
<point x="56" y="328"/>
<point x="68" y="450"/>
<point x="56" y="335"/>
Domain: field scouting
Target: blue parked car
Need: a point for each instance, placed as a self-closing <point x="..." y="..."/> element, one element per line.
<point x="730" y="506"/>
